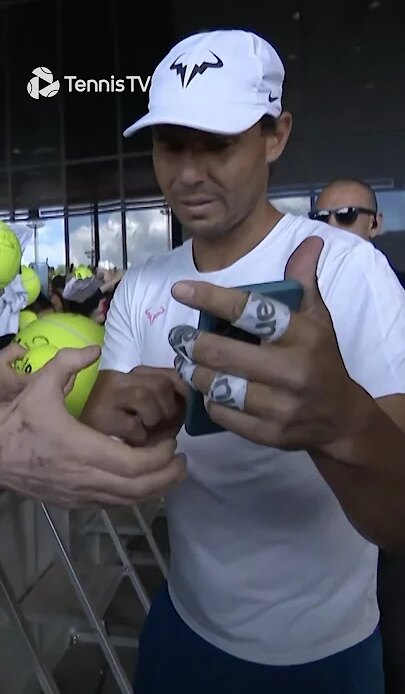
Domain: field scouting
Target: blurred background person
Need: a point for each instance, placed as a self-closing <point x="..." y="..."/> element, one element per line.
<point x="351" y="205"/>
<point x="42" y="306"/>
<point x="56" y="287"/>
<point x="91" y="296"/>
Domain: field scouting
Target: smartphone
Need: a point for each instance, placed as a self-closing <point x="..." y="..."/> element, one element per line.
<point x="289" y="292"/>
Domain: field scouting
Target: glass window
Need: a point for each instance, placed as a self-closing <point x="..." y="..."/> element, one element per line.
<point x="139" y="57"/>
<point x="94" y="182"/>
<point x="47" y="243"/>
<point x="110" y="235"/>
<point x="139" y="178"/>
<point x="81" y="240"/>
<point x="4" y="203"/>
<point x="3" y="94"/>
<point x="88" y="54"/>
<point x="37" y="187"/>
<point x="148" y="234"/>
<point x="298" y="205"/>
<point x="32" y="42"/>
<point x="392" y="204"/>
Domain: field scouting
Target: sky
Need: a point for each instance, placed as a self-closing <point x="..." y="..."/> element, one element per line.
<point x="147" y="235"/>
<point x="148" y="232"/>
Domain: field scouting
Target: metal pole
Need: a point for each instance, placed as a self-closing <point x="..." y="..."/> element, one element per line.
<point x="97" y="624"/>
<point x="43" y="674"/>
<point x="151" y="540"/>
<point x="122" y="553"/>
<point x="36" y="250"/>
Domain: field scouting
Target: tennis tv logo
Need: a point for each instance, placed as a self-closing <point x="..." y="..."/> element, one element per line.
<point x="42" y="84"/>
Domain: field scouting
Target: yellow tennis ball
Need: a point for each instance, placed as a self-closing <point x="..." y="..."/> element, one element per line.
<point x="56" y="331"/>
<point x="82" y="272"/>
<point x="35" y="358"/>
<point x="10" y="255"/>
<point x="31" y="283"/>
<point x="26" y="317"/>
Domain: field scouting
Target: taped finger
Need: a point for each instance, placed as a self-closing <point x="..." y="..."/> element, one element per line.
<point x="185" y="369"/>
<point x="182" y="339"/>
<point x="264" y="317"/>
<point x="229" y="391"/>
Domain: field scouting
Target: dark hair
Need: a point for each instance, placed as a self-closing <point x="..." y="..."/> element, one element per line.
<point x="58" y="282"/>
<point x="85" y="308"/>
<point x="358" y="182"/>
<point x="41" y="304"/>
<point x="268" y="124"/>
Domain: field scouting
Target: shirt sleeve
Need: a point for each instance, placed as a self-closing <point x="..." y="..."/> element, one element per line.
<point x="121" y="347"/>
<point x="367" y="307"/>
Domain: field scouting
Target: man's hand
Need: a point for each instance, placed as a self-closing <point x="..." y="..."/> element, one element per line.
<point x="292" y="390"/>
<point x="143" y="406"/>
<point x="47" y="454"/>
<point x="11" y="382"/>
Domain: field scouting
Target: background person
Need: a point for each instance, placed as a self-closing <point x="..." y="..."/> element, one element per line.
<point x="348" y="197"/>
<point x="350" y="204"/>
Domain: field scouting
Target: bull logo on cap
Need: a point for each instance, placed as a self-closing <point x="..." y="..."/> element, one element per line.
<point x="182" y="68"/>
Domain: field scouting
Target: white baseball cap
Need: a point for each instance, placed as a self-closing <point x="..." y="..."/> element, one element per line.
<point x="218" y="81"/>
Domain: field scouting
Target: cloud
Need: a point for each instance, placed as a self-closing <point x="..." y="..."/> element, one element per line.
<point x="147" y="235"/>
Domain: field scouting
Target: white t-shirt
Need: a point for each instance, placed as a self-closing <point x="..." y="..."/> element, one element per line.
<point x="264" y="563"/>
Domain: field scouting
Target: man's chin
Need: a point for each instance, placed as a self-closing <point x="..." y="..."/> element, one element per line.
<point x="203" y="230"/>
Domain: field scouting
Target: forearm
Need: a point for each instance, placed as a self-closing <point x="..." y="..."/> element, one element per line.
<point x="367" y="474"/>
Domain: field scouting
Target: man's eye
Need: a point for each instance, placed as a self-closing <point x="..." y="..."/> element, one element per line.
<point x="218" y="145"/>
<point x="171" y="146"/>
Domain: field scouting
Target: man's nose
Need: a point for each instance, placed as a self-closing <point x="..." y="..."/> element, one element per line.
<point x="191" y="168"/>
<point x="333" y="222"/>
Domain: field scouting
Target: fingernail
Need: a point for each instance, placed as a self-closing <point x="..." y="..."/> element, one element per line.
<point x="183" y="291"/>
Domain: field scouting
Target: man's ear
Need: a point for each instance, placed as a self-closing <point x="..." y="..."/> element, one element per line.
<point x="377" y="226"/>
<point x="277" y="140"/>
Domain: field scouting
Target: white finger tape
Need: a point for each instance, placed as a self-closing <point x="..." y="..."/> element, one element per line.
<point x="229" y="391"/>
<point x="185" y="369"/>
<point x="264" y="317"/>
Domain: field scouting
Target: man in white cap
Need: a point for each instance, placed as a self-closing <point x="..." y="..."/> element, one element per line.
<point x="274" y="533"/>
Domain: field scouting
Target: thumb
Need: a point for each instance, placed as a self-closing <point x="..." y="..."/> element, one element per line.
<point x="302" y="267"/>
<point x="12" y="352"/>
<point x="68" y="362"/>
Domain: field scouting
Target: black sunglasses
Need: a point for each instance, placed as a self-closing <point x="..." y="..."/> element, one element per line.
<point x="343" y="215"/>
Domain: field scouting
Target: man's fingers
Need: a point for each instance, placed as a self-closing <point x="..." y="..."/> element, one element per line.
<point x="264" y="364"/>
<point x="302" y="267"/>
<point x="255" y="399"/>
<point x="115" y="456"/>
<point x="170" y="374"/>
<point x="224" y="303"/>
<point x="245" y="425"/>
<point x="150" y="409"/>
<point x="68" y="362"/>
<point x="102" y="488"/>
<point x="150" y="484"/>
<point x="12" y="352"/>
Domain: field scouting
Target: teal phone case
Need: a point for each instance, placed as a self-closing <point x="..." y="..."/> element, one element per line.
<point x="289" y="292"/>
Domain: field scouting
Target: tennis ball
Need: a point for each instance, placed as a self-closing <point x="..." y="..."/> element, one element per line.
<point x="10" y="255"/>
<point x="35" y="358"/>
<point x="82" y="272"/>
<point x="31" y="283"/>
<point x="26" y="317"/>
<point x="54" y="332"/>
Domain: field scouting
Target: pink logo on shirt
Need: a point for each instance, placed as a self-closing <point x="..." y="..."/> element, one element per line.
<point x="152" y="316"/>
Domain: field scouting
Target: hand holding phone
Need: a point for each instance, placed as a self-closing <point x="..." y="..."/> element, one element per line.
<point x="288" y="292"/>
